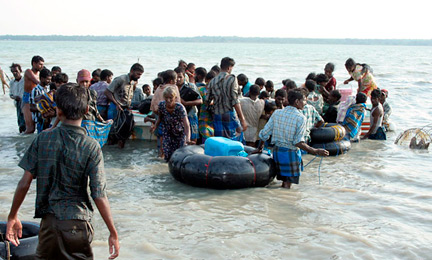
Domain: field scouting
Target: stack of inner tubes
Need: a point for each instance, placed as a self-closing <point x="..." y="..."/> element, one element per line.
<point x="332" y="138"/>
<point x="191" y="166"/>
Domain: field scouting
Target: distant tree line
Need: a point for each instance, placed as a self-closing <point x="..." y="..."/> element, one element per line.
<point x="219" y="39"/>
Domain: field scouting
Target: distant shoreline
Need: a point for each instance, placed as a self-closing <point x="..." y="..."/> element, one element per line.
<point x="220" y="39"/>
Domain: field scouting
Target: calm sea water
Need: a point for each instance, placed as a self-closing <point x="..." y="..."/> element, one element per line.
<point x="371" y="203"/>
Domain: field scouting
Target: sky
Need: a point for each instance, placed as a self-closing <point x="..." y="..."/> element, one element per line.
<point x="367" y="19"/>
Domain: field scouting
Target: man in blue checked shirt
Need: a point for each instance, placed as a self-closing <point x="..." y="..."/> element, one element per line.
<point x="287" y="127"/>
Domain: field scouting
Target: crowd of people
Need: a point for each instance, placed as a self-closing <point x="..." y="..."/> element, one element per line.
<point x="188" y="105"/>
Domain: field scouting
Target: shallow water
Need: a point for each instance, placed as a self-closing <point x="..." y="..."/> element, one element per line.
<point x="371" y="203"/>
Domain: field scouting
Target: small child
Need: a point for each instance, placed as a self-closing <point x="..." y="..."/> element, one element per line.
<point x="328" y="71"/>
<point x="313" y="98"/>
<point x="334" y="100"/>
<point x="376" y="130"/>
<point x="173" y="118"/>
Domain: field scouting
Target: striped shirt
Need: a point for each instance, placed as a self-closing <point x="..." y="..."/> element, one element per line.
<point x="65" y="162"/>
<point x="286" y="126"/>
<point x="37" y="91"/>
<point x="224" y="91"/>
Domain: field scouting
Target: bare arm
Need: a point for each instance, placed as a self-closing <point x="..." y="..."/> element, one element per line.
<point x="196" y="102"/>
<point x="376" y="114"/>
<point x="187" y="128"/>
<point x="31" y="76"/>
<point x="311" y="150"/>
<point x="103" y="206"/>
<point x="239" y="112"/>
<point x="14" y="227"/>
<point x="111" y="98"/>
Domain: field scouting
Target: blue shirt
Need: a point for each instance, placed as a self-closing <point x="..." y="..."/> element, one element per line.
<point x="286" y="126"/>
<point x="246" y="88"/>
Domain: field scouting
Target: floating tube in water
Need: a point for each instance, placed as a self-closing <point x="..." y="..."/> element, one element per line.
<point x="191" y="166"/>
<point x="335" y="148"/>
<point x="28" y="242"/>
<point x="327" y="133"/>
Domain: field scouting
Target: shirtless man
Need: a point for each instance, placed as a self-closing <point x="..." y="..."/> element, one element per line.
<point x="31" y="80"/>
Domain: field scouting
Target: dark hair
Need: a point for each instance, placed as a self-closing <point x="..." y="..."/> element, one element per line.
<point x="105" y="74"/>
<point x="200" y="71"/>
<point x="145" y="85"/>
<point x="269" y="84"/>
<point x="61" y="78"/>
<point x="335" y="93"/>
<point x="157" y="81"/>
<point x="311" y="76"/>
<point x="56" y="68"/>
<point x="321" y="78"/>
<point x="168" y="75"/>
<point x="190" y="65"/>
<point x="242" y="78"/>
<point x="226" y="63"/>
<point x="270" y="106"/>
<point x="179" y="70"/>
<point x="96" y="72"/>
<point x="72" y="99"/>
<point x="210" y="75"/>
<point x="263" y="94"/>
<point x="281" y="93"/>
<point x="216" y="69"/>
<point x="361" y="98"/>
<point x="44" y="73"/>
<point x="16" y="65"/>
<point x="260" y="82"/>
<point x="349" y="62"/>
<point x="137" y="67"/>
<point x="290" y="84"/>
<point x="180" y="62"/>
<point x="329" y="66"/>
<point x="293" y="95"/>
<point x="254" y="90"/>
<point x="376" y="93"/>
<point x="310" y="85"/>
<point x="36" y="59"/>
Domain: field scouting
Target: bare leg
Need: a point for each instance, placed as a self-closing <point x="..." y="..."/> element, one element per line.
<point x="30" y="125"/>
<point x="286" y="185"/>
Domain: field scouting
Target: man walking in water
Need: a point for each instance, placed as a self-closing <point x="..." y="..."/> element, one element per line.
<point x="68" y="167"/>
<point x="31" y="80"/>
<point x="224" y="92"/>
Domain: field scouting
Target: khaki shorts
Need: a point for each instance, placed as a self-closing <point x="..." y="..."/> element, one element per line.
<point x="64" y="239"/>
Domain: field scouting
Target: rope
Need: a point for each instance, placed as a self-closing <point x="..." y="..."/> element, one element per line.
<point x="319" y="167"/>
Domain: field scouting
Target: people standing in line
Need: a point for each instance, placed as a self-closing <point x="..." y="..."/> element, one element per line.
<point x="66" y="164"/>
<point x="362" y="74"/>
<point x="190" y="105"/>
<point x="31" y="80"/>
<point x="120" y="93"/>
<point x="224" y="92"/>
<point x="287" y="127"/>
<point x="252" y="108"/>
<point x="173" y="119"/>
<point x="16" y="93"/>
<point x="376" y="130"/>
<point x="100" y="87"/>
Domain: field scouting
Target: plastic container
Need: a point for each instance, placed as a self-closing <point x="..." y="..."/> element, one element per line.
<point x="221" y="146"/>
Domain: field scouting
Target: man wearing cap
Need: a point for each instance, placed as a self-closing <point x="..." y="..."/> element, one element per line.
<point x="120" y="92"/>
